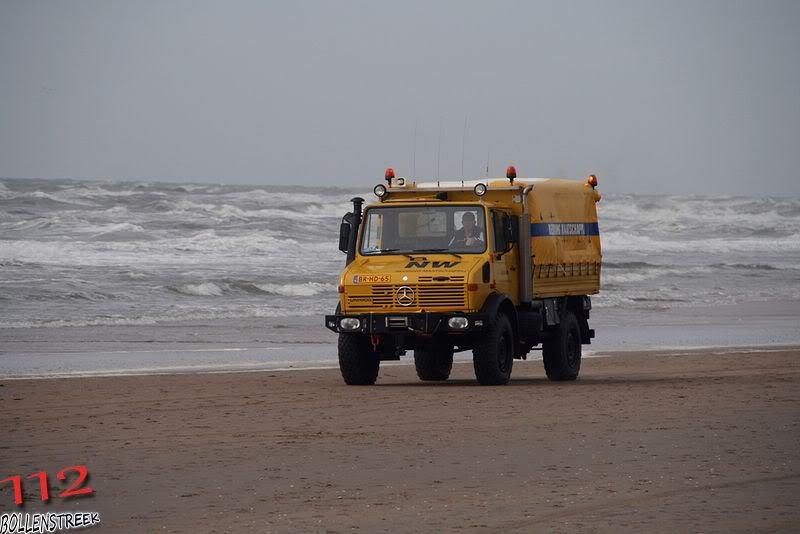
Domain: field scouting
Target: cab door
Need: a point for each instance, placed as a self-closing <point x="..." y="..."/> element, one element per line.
<point x="505" y="255"/>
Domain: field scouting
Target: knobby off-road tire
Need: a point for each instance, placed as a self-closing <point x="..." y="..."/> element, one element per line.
<point x="435" y="363"/>
<point x="562" y="352"/>
<point x="358" y="363"/>
<point x="493" y="354"/>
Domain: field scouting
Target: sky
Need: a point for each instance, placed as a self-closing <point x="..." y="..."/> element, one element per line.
<point x="679" y="97"/>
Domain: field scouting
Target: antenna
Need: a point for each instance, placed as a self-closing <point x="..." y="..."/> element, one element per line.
<point x="439" y="150"/>
<point x="463" y="142"/>
<point x="488" y="157"/>
<point x="414" y="154"/>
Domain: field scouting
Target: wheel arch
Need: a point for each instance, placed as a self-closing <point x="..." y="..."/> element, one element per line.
<point x="501" y="303"/>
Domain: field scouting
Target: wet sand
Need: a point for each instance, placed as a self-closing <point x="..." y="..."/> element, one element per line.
<point x="259" y="344"/>
<point x="643" y="442"/>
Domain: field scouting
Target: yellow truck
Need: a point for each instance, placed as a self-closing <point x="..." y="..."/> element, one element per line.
<point x="496" y="266"/>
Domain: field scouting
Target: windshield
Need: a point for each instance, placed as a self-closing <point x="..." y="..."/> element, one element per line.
<point x="403" y="230"/>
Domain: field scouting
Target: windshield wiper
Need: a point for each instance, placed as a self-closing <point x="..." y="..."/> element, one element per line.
<point x="444" y="250"/>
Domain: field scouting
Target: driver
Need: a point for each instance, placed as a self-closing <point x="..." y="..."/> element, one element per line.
<point x="468" y="235"/>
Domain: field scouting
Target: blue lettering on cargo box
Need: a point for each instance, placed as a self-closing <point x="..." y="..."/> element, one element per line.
<point x="564" y="229"/>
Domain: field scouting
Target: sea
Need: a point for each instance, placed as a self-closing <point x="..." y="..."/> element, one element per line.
<point x="93" y="254"/>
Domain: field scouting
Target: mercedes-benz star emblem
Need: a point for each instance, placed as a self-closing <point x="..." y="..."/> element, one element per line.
<point x="405" y="296"/>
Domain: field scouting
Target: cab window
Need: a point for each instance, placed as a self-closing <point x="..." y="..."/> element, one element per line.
<point x="407" y="229"/>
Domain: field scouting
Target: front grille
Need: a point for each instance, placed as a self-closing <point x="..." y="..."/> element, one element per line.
<point x="441" y="278"/>
<point x="427" y="296"/>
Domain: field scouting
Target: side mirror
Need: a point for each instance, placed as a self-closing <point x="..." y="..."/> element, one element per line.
<point x="344" y="232"/>
<point x="510" y="230"/>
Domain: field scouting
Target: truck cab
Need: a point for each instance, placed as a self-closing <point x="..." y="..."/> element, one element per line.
<point x="444" y="267"/>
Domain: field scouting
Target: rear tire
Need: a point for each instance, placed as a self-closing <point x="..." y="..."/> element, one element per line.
<point x="358" y="362"/>
<point x="493" y="355"/>
<point x="435" y="363"/>
<point x="562" y="352"/>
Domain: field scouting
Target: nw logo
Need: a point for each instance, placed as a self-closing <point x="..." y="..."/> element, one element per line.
<point x="435" y="264"/>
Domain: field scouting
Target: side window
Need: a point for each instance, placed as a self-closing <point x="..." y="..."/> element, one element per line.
<point x="433" y="224"/>
<point x="372" y="234"/>
<point x="498" y="218"/>
<point x="415" y="224"/>
<point x="374" y="231"/>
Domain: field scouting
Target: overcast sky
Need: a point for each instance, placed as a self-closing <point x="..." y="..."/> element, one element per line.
<point x="695" y="97"/>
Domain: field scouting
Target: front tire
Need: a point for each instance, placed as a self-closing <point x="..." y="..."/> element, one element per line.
<point x="358" y="362"/>
<point x="493" y="355"/>
<point x="562" y="352"/>
<point x="435" y="363"/>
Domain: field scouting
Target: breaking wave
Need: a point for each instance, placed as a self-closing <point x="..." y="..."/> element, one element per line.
<point x="217" y="289"/>
<point x="206" y="289"/>
<point x="308" y="289"/>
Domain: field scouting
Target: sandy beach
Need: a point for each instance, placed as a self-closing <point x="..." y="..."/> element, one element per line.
<point x="696" y="441"/>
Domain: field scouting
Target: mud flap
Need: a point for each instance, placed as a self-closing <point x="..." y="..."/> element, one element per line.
<point x="551" y="315"/>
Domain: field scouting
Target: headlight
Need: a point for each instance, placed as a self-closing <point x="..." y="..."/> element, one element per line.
<point x="350" y="323"/>
<point x="480" y="189"/>
<point x="458" y="323"/>
<point x="380" y="190"/>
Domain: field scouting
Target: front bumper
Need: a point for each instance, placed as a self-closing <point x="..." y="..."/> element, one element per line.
<point x="397" y="323"/>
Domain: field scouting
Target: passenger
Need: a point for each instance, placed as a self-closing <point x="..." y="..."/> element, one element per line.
<point x="469" y="235"/>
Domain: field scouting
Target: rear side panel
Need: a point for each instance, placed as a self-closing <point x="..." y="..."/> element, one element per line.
<point x="565" y="239"/>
